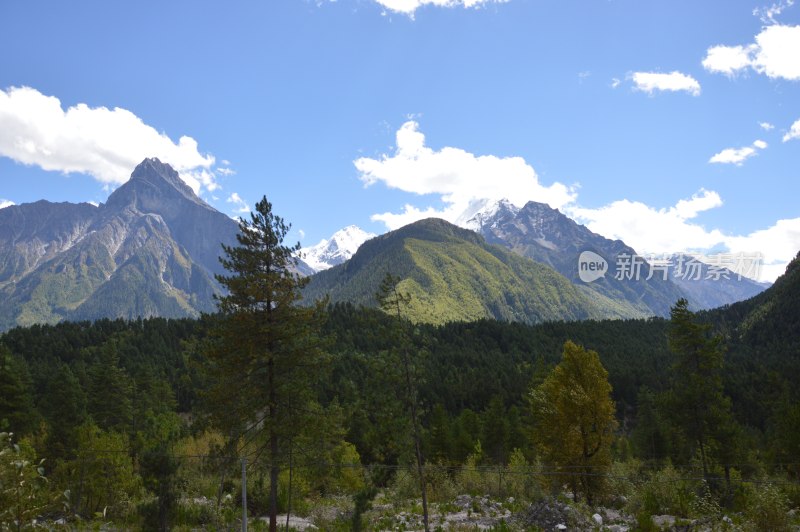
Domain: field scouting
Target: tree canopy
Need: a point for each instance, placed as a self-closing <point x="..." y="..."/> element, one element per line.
<point x="574" y="420"/>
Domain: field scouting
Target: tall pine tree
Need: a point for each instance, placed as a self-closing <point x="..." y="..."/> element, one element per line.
<point x="697" y="404"/>
<point x="265" y="350"/>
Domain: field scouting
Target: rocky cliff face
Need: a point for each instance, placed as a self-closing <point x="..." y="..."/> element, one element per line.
<point x="545" y="235"/>
<point x="151" y="250"/>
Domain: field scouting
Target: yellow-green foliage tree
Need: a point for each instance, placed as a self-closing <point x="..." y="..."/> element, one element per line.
<point x="23" y="486"/>
<point x="101" y="478"/>
<point x="574" y="421"/>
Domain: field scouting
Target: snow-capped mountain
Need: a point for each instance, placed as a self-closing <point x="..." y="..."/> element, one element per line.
<point x="488" y="212"/>
<point x="340" y="247"/>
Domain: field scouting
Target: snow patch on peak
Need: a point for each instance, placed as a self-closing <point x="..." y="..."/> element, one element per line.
<point x="482" y="212"/>
<point x="339" y="248"/>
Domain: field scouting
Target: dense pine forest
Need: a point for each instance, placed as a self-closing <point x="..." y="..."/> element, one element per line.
<point x="357" y="418"/>
<point x="117" y="411"/>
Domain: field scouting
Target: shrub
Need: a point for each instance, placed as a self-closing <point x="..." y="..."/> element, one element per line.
<point x="665" y="492"/>
<point x="768" y="509"/>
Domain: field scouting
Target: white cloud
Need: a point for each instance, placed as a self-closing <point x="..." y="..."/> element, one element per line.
<point x="674" y="229"/>
<point x="301" y="234"/>
<point x="767" y="14"/>
<point x="778" y="243"/>
<point x="738" y="156"/>
<point x="240" y="205"/>
<point x="675" y="81"/>
<point x="461" y="179"/>
<point x="648" y="229"/>
<point x="775" y="53"/>
<point x="735" y="156"/>
<point x="409" y="7"/>
<point x="615" y="83"/>
<point x="727" y="59"/>
<point x="5" y="203"/>
<point x="226" y="171"/>
<point x="794" y="132"/>
<point x="104" y="143"/>
<point x="766" y="126"/>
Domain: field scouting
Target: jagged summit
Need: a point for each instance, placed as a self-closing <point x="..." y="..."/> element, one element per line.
<point x="340" y="247"/>
<point x="152" y="167"/>
<point x="151" y="250"/>
<point x="151" y="184"/>
<point x="488" y="212"/>
<point x="546" y="235"/>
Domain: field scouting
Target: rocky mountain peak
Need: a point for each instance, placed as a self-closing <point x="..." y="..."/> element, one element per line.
<point x="151" y="185"/>
<point x="486" y="212"/>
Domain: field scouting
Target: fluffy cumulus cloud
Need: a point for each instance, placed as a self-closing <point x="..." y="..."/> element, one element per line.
<point x="738" y="156"/>
<point x="5" y="203"/>
<point x="652" y="230"/>
<point x="794" y="132"/>
<point x="766" y="126"/>
<point x="104" y="143"/>
<point x="675" y="229"/>
<point x="651" y="82"/>
<point x="462" y="180"/>
<point x="775" y="53"/>
<point x="409" y="7"/>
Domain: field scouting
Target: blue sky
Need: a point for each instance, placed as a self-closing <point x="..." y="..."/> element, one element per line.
<point x="674" y="125"/>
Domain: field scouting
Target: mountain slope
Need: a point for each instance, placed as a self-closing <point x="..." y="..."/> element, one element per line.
<point x="769" y="320"/>
<point x="546" y="235"/>
<point x="151" y="250"/>
<point x="452" y="274"/>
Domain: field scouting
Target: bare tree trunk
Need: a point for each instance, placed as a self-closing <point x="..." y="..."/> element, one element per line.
<point x="273" y="452"/>
<point x="417" y="441"/>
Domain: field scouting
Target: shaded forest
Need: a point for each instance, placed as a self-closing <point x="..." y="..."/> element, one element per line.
<point x="136" y="392"/>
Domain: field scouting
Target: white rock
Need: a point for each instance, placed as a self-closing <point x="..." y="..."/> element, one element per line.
<point x="664" y="521"/>
<point x="598" y="519"/>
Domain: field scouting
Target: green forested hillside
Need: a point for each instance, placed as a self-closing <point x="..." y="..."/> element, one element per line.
<point x="453" y="275"/>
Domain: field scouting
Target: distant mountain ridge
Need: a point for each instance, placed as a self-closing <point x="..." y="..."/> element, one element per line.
<point x="151" y="250"/>
<point x="546" y="235"/>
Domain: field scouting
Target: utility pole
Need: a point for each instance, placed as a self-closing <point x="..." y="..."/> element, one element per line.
<point x="244" y="494"/>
